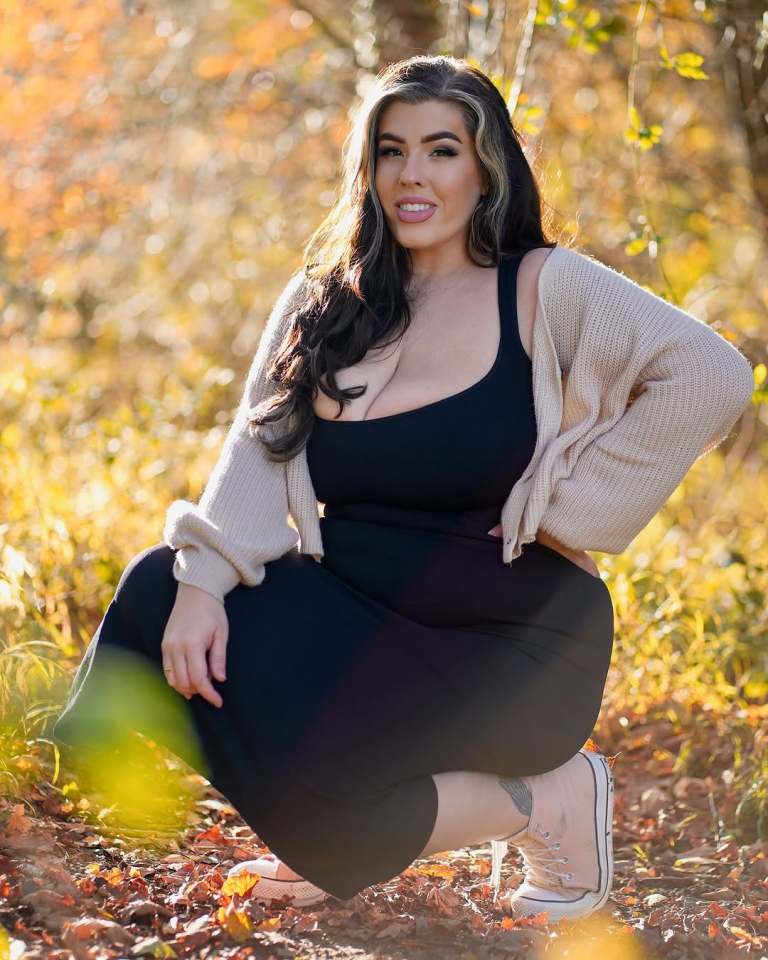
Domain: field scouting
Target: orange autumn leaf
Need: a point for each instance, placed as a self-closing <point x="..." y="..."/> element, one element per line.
<point x="746" y="935"/>
<point x="113" y="876"/>
<point x="717" y="910"/>
<point x="437" y="870"/>
<point x="18" y="821"/>
<point x="538" y="919"/>
<point x="237" y="923"/>
<point x="86" y="885"/>
<point x="214" y="835"/>
<point x="241" y="883"/>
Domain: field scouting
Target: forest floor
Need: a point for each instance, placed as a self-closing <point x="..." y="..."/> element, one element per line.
<point x="683" y="888"/>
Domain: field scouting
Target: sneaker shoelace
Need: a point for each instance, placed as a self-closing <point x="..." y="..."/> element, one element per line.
<point x="537" y="855"/>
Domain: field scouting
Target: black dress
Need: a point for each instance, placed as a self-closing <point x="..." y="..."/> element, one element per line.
<point x="411" y="649"/>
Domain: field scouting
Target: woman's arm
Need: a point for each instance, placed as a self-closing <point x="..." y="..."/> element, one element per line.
<point x="241" y="520"/>
<point x="691" y="386"/>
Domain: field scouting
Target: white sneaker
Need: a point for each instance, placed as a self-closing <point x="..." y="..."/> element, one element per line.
<point x="268" y="888"/>
<point x="571" y="824"/>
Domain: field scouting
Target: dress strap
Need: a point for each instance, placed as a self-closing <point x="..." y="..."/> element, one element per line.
<point x="512" y="346"/>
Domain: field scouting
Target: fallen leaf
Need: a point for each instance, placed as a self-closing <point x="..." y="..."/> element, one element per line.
<point x="437" y="870"/>
<point x="87" y="927"/>
<point x="392" y="930"/>
<point x="241" y="883"/>
<point x="144" y="908"/>
<point x="18" y="821"/>
<point x="153" y="947"/>
<point x="48" y="900"/>
<point x="236" y="922"/>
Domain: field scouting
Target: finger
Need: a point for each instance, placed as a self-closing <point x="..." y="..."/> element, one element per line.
<point x="168" y="668"/>
<point x="180" y="674"/>
<point x="169" y="672"/>
<point x="217" y="655"/>
<point x="198" y="675"/>
<point x="590" y="566"/>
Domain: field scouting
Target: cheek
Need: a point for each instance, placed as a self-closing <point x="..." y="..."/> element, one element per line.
<point x="458" y="185"/>
<point x="383" y="178"/>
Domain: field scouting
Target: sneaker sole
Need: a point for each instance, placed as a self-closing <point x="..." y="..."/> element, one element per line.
<point x="603" y="833"/>
<point x="268" y="889"/>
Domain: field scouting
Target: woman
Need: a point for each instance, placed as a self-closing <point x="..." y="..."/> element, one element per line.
<point x="418" y="669"/>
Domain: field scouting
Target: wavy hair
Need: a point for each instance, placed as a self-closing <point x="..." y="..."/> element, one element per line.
<point x="355" y="277"/>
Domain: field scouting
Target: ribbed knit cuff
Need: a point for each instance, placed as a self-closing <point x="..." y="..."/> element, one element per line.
<point x="208" y="570"/>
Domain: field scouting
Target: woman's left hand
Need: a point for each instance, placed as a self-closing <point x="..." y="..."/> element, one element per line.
<point x="580" y="557"/>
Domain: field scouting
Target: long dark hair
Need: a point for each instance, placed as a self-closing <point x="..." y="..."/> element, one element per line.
<point x="355" y="275"/>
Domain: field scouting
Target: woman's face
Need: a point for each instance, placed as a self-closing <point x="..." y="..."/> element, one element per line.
<point x="445" y="172"/>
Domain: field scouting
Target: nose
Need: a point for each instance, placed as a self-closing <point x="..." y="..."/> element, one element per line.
<point x="409" y="173"/>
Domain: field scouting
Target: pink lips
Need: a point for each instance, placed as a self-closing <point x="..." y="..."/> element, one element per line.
<point x="414" y="216"/>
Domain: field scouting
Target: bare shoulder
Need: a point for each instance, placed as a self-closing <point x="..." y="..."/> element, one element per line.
<point x="527" y="292"/>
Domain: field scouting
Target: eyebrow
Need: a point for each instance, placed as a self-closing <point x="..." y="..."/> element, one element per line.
<point x="440" y="135"/>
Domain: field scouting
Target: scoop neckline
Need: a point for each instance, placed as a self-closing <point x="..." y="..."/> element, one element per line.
<point x="462" y="393"/>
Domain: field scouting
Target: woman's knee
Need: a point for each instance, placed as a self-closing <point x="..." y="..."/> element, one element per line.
<point x="145" y="576"/>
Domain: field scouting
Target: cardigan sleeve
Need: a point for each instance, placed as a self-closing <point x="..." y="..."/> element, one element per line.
<point x="241" y="519"/>
<point x="691" y="386"/>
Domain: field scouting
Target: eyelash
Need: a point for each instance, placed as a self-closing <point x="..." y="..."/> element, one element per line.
<point x="448" y="151"/>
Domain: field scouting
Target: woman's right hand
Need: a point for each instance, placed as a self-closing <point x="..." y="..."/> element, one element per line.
<point x="198" y="623"/>
<point x="580" y="557"/>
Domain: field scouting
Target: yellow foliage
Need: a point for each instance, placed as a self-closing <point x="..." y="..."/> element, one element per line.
<point x="235" y="921"/>
<point x="443" y="870"/>
<point x="241" y="883"/>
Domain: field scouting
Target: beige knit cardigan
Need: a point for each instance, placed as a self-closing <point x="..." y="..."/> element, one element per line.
<point x="629" y="391"/>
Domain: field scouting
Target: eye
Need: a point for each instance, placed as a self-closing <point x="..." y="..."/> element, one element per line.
<point x="446" y="151"/>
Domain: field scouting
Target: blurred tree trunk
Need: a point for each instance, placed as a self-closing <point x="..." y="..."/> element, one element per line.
<point x="743" y="27"/>
<point x="405" y="28"/>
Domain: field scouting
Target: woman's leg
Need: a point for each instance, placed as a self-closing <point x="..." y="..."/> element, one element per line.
<point x="474" y="808"/>
<point x="391" y="805"/>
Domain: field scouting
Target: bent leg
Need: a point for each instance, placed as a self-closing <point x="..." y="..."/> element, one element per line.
<point x="338" y="780"/>
<point x="474" y="808"/>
